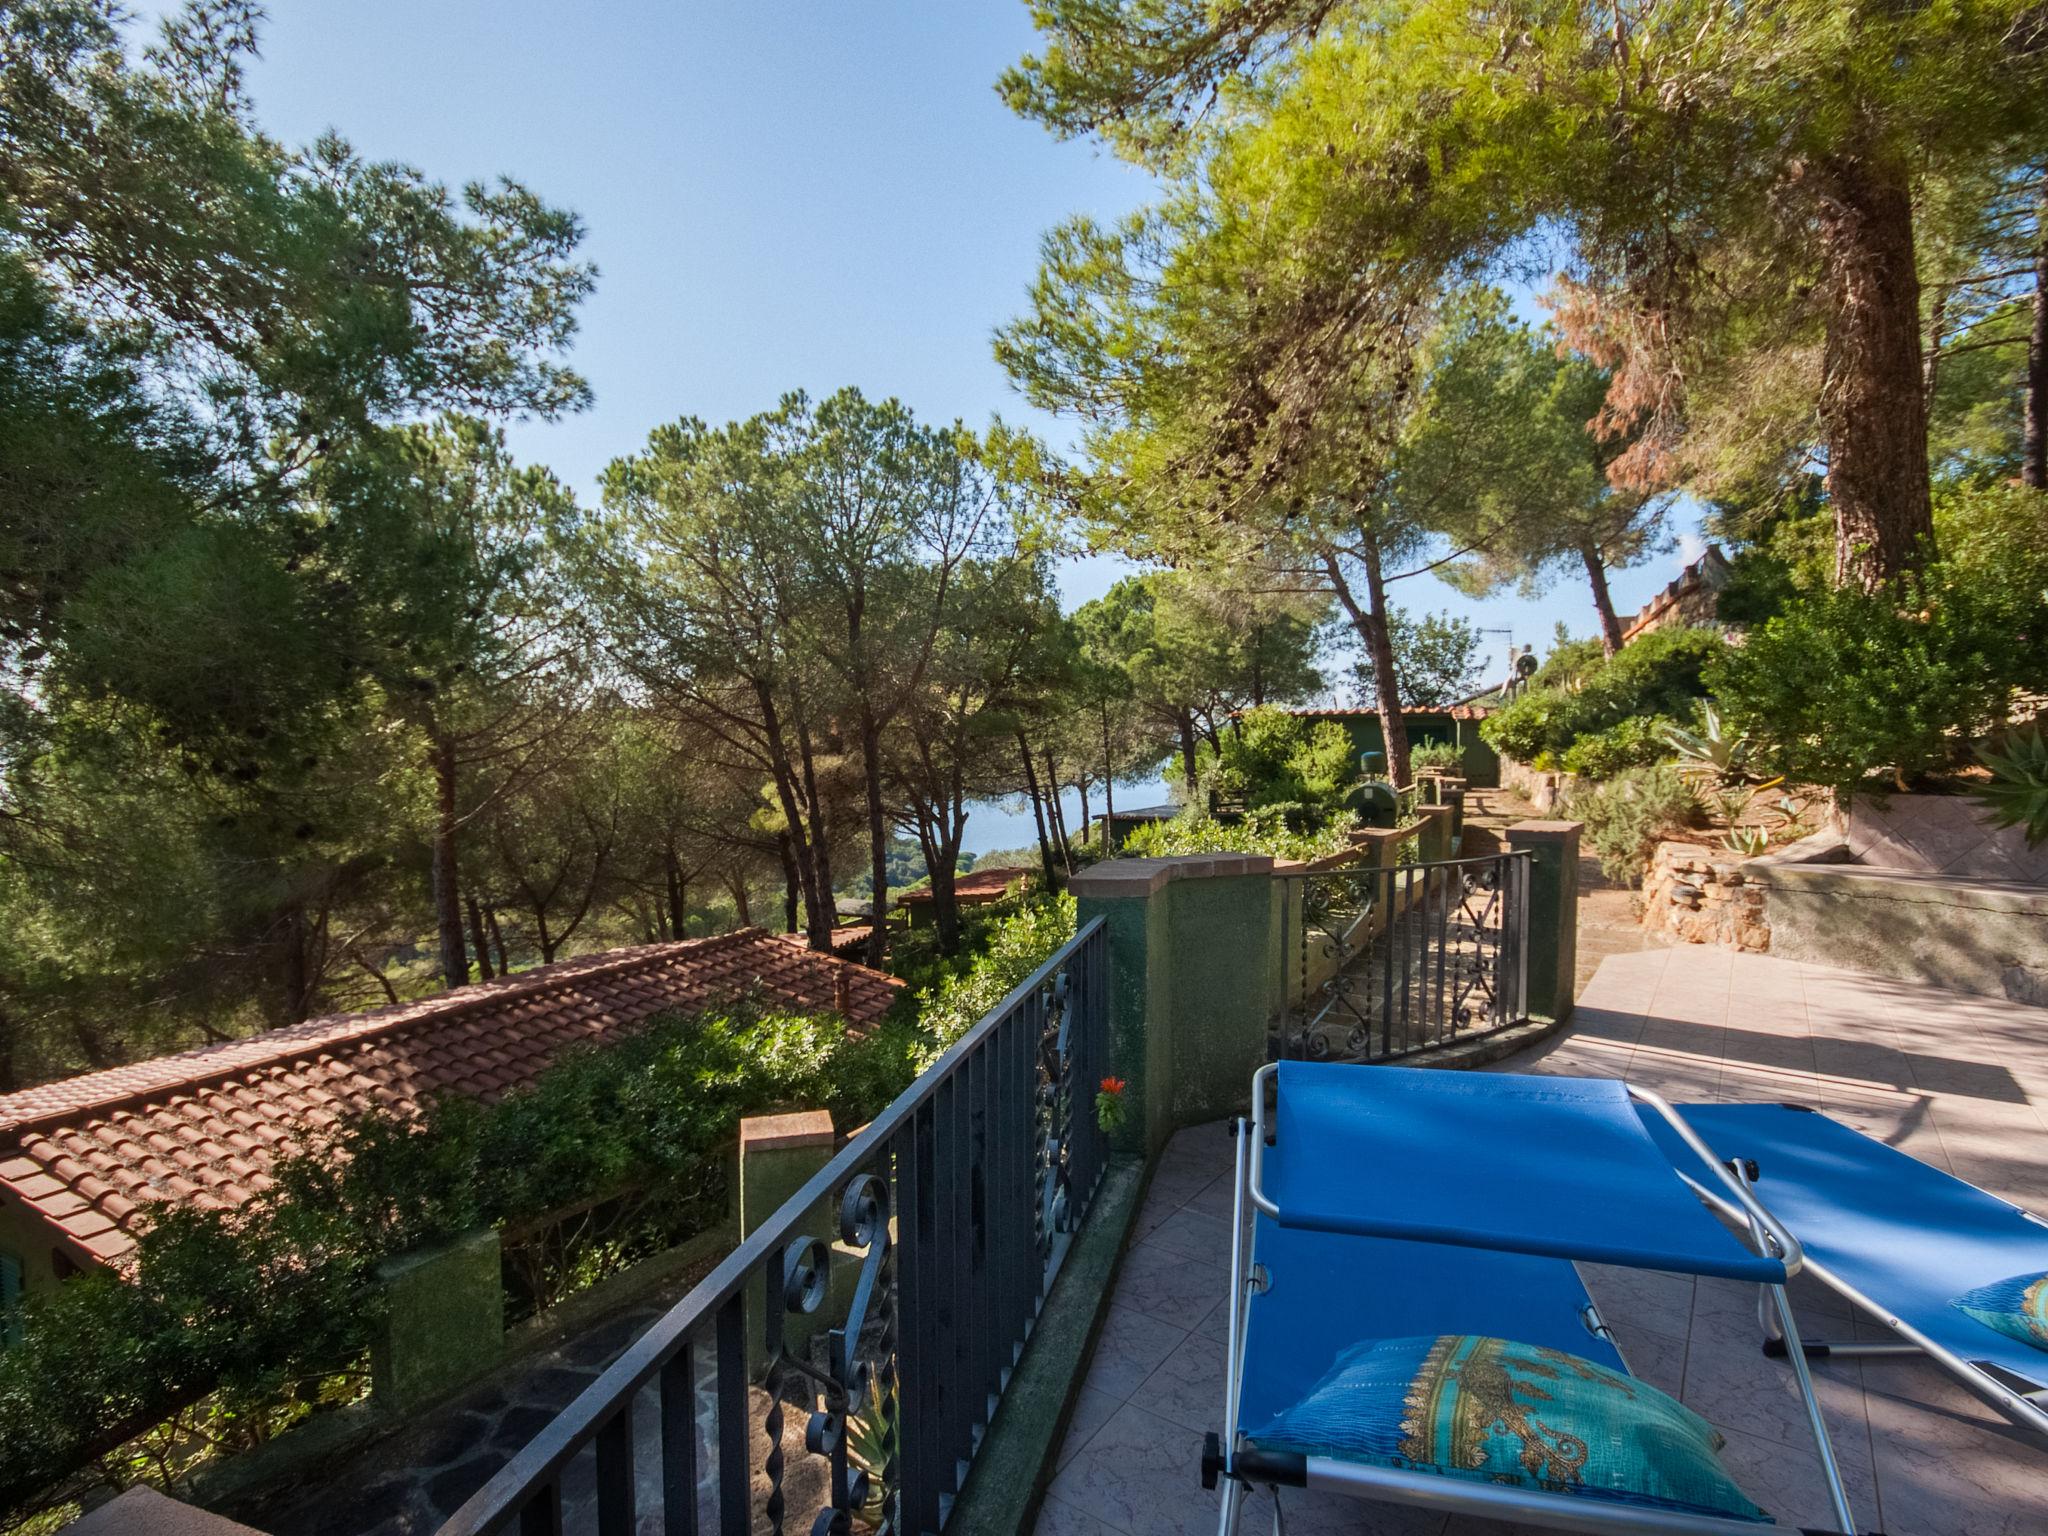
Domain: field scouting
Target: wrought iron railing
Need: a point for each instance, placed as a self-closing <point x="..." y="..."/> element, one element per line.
<point x="815" y="1378"/>
<point x="1383" y="963"/>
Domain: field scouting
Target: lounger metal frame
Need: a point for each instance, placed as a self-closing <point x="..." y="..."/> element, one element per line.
<point x="1243" y="1467"/>
<point x="2028" y="1410"/>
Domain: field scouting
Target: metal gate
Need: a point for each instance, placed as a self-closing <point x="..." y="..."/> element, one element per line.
<point x="1384" y="963"/>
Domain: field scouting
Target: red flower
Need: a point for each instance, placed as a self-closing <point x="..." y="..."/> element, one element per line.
<point x="1112" y="1085"/>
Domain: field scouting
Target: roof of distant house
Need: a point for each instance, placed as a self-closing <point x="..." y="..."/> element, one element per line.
<point x="975" y="886"/>
<point x="87" y="1155"/>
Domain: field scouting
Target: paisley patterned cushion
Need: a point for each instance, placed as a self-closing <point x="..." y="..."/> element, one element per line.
<point x="2016" y="1307"/>
<point x="1496" y="1411"/>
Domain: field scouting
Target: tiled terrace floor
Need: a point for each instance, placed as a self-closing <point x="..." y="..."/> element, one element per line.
<point x="1960" y="1082"/>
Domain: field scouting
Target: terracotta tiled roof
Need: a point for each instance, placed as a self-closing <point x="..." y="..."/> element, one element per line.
<point x="977" y="885"/>
<point x="88" y="1154"/>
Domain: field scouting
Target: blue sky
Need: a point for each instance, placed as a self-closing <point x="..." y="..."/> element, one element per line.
<point x="779" y="196"/>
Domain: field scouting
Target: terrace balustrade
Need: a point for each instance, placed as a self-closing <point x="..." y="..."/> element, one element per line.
<point x="952" y="1211"/>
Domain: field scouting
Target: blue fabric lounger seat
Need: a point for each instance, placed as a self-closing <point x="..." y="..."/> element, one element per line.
<point x="1389" y="1208"/>
<point x="1898" y="1238"/>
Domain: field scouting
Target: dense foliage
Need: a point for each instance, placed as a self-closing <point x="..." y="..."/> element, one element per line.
<point x="1657" y="678"/>
<point x="1016" y="946"/>
<point x="1283" y="764"/>
<point x="1194" y="831"/>
<point x="2017" y="795"/>
<point x="1841" y="683"/>
<point x="277" y="1296"/>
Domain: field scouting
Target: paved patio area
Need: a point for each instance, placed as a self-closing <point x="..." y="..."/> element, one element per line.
<point x="1960" y="1082"/>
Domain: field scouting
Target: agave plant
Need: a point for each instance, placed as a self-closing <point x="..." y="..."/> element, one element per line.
<point x="1747" y="841"/>
<point x="1710" y="749"/>
<point x="2017" y="795"/>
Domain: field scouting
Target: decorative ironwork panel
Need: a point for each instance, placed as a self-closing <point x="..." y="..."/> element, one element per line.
<point x="1385" y="963"/>
<point x="820" y="1381"/>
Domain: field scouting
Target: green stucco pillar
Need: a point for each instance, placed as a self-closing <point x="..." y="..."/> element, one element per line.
<point x="1553" y="913"/>
<point x="1194" y="955"/>
<point x="1433" y="842"/>
<point x="778" y="1156"/>
<point x="443" y="1321"/>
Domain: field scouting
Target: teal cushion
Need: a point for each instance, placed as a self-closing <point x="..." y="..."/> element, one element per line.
<point x="2017" y="1307"/>
<point x="1495" y="1411"/>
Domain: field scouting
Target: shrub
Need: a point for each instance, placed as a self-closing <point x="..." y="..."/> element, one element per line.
<point x="1260" y="832"/>
<point x="1632" y="743"/>
<point x="1016" y="947"/>
<point x="1843" y="684"/>
<point x="2017" y="795"/>
<point x="1269" y="757"/>
<point x="1627" y="817"/>
<point x="1662" y="674"/>
<point x="1447" y="756"/>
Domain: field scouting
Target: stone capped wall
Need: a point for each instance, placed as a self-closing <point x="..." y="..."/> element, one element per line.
<point x="1700" y="895"/>
<point x="1940" y="835"/>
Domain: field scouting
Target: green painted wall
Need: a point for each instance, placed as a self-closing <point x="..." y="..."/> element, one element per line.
<point x="1553" y="914"/>
<point x="444" y="1321"/>
<point x="28" y="1240"/>
<point x="1194" y="983"/>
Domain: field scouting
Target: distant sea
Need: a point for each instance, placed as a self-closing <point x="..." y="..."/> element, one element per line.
<point x="994" y="825"/>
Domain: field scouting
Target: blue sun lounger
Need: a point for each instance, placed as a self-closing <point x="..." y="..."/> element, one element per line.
<point x="1897" y="1238"/>
<point x="1380" y="1207"/>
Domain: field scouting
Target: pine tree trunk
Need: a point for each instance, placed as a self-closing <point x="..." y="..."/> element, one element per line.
<point x="447" y="900"/>
<point x="678" y="894"/>
<point x="739" y="902"/>
<point x="1037" y="813"/>
<point x="476" y="941"/>
<point x="798" y="867"/>
<point x="498" y="940"/>
<point x="820" y="905"/>
<point x="1108" y="783"/>
<point x="878" y="837"/>
<point x="1187" y="754"/>
<point x="2034" y="424"/>
<point x="1058" y="813"/>
<point x="945" y="873"/>
<point x="297" y="986"/>
<point x="1393" y="722"/>
<point x="793" y="877"/>
<point x="1873" y="409"/>
<point x="1370" y="622"/>
<point x="1603" y="600"/>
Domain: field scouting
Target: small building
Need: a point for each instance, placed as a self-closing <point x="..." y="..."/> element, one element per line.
<point x="82" y="1160"/>
<point x="1693" y="599"/>
<point x="977" y="888"/>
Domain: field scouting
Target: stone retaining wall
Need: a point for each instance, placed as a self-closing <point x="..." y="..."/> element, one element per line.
<point x="1541" y="787"/>
<point x="1700" y="895"/>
